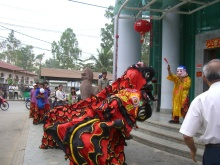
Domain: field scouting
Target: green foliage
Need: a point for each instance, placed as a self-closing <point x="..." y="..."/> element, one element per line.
<point x="65" y="51"/>
<point x="10" y="81"/>
<point x="104" y="60"/>
<point x="14" y="53"/>
<point x="107" y="33"/>
<point x="145" y="49"/>
<point x="10" y="48"/>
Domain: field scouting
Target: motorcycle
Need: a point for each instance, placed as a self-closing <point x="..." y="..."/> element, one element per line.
<point x="28" y="103"/>
<point x="3" y="104"/>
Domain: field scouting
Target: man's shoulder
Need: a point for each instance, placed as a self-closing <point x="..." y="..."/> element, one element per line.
<point x="106" y="79"/>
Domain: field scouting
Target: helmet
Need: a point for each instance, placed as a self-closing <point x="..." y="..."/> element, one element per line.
<point x="41" y="90"/>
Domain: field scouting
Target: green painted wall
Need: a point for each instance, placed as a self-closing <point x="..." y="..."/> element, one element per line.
<point x="201" y="21"/>
<point x="155" y="55"/>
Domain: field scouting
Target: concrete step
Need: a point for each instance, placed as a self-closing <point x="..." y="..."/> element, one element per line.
<point x="166" y="145"/>
<point x="167" y="132"/>
<point x="156" y="132"/>
<point x="166" y="126"/>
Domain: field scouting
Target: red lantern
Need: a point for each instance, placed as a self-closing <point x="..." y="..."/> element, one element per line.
<point x="142" y="26"/>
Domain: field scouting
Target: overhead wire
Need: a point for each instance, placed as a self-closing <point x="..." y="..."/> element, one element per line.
<point x="37" y="24"/>
<point x="25" y="35"/>
<point x="27" y="44"/>
<point x="37" y="39"/>
<point x="41" y="24"/>
<point x="89" y="4"/>
<point x="40" y="29"/>
<point x="42" y="48"/>
<point x="50" y="30"/>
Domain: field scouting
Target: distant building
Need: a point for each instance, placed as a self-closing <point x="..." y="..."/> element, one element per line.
<point x="73" y="76"/>
<point x="11" y="74"/>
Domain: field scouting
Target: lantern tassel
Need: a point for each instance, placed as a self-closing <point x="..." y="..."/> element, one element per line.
<point x="142" y="37"/>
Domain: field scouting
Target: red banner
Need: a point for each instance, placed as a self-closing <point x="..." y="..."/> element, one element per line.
<point x="214" y="43"/>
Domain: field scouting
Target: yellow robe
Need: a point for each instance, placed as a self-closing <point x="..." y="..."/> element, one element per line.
<point x="180" y="93"/>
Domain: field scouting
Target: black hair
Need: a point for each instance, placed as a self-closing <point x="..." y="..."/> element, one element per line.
<point x="74" y="89"/>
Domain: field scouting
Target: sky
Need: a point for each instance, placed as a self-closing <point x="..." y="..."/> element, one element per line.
<point x="46" y="20"/>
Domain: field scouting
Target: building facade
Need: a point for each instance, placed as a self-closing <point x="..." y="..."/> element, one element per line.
<point x="184" y="32"/>
<point x="195" y="42"/>
<point x="10" y="74"/>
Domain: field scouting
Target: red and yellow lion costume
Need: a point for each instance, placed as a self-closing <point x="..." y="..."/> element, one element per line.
<point x="94" y="130"/>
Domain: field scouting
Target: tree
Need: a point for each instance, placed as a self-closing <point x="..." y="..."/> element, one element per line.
<point x="38" y="63"/>
<point x="107" y="33"/>
<point x="10" y="48"/>
<point x="105" y="54"/>
<point x="145" y="49"/>
<point x="26" y="58"/>
<point x="65" y="51"/>
<point x="103" y="61"/>
<point x="14" y="53"/>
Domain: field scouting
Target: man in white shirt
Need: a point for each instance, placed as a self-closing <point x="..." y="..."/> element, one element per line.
<point x="11" y="91"/>
<point x="204" y="112"/>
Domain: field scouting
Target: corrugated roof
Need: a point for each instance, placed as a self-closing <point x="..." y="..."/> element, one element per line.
<point x="5" y="65"/>
<point x="67" y="74"/>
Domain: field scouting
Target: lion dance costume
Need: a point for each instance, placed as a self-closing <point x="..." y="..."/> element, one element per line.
<point x="93" y="131"/>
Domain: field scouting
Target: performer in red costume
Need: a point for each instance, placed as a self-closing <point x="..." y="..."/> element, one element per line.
<point x="99" y="136"/>
<point x="113" y="108"/>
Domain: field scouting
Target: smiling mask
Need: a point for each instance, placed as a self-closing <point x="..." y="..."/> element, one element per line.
<point x="181" y="71"/>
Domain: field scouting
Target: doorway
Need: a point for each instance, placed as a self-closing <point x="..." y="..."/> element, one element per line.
<point x="210" y="54"/>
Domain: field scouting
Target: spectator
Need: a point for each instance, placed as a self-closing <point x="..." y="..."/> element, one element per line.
<point x="1" y="92"/>
<point x="61" y="96"/>
<point x="72" y="97"/>
<point x="16" y="91"/>
<point x="204" y="113"/>
<point x="103" y="81"/>
<point x="11" y="90"/>
<point x="55" y="98"/>
<point x="32" y="101"/>
<point x="39" y="111"/>
<point x="4" y="90"/>
<point x="46" y="98"/>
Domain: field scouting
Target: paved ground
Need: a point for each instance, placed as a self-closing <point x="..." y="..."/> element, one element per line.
<point x="28" y="153"/>
<point x="136" y="153"/>
<point x="12" y="122"/>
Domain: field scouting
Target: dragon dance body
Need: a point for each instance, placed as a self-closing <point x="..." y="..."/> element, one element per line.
<point x="93" y="131"/>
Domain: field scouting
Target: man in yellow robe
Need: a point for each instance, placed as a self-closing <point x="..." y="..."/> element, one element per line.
<point x="180" y="100"/>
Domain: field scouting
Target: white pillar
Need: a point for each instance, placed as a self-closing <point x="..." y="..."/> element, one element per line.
<point x="170" y="51"/>
<point x="128" y="46"/>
